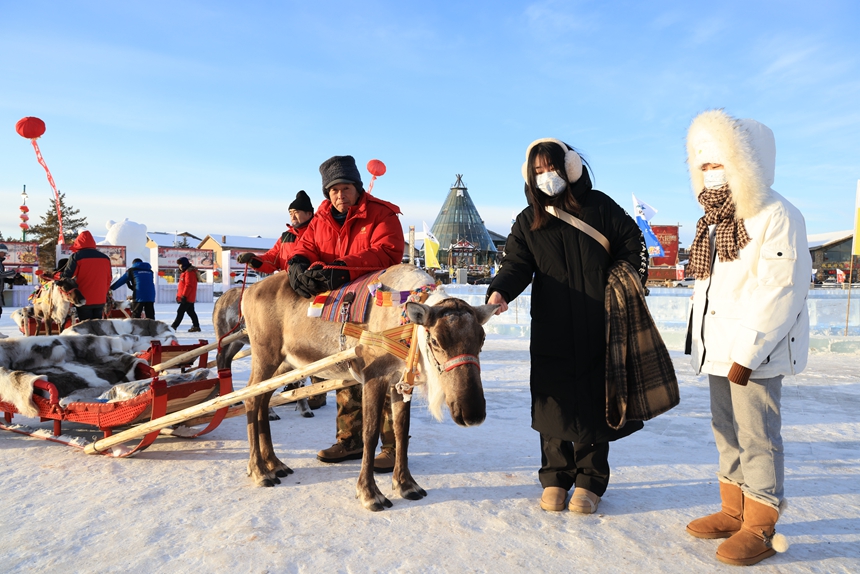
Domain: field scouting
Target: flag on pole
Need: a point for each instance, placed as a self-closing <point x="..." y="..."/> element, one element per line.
<point x="644" y="213"/>
<point x="431" y="249"/>
<point x="855" y="250"/>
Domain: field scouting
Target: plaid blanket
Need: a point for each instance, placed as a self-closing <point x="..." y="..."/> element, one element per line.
<point x="640" y="377"/>
<point x="351" y="301"/>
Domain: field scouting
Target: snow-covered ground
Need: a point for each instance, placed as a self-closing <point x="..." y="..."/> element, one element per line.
<point x="187" y="506"/>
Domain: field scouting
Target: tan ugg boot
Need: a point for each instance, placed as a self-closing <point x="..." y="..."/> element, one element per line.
<point x="553" y="498"/>
<point x="727" y="521"/>
<point x="756" y="540"/>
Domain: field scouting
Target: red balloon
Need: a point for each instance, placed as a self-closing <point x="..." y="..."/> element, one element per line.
<point x="376" y="167"/>
<point x="30" y="127"/>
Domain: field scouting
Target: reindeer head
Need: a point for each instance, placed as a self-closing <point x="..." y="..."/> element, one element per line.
<point x="68" y="287"/>
<point x="449" y="344"/>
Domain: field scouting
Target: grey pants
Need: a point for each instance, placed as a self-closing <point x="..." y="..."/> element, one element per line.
<point x="747" y="422"/>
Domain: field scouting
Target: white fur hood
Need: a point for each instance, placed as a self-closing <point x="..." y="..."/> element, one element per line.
<point x="746" y="149"/>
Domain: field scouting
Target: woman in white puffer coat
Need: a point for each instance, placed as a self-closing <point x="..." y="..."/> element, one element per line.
<point x="749" y="323"/>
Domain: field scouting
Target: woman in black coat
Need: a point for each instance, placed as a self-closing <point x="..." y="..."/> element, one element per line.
<point x="568" y="269"/>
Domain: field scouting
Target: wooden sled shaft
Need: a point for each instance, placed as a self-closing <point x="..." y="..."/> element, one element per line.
<point x="281" y="399"/>
<point x="240" y="355"/>
<point x="185" y="357"/>
<point x="219" y="402"/>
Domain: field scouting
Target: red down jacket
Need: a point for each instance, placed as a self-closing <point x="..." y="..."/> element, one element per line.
<point x="370" y="238"/>
<point x="275" y="259"/>
<point x="91" y="268"/>
<point x="187" y="286"/>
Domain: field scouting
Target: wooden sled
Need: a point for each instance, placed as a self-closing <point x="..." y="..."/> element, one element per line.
<point x="160" y="355"/>
<point x="158" y="401"/>
<point x="33" y="327"/>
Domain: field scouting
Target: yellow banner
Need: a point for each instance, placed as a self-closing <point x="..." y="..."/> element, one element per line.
<point x="430" y="251"/>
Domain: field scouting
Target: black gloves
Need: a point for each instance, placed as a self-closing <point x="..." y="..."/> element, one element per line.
<point x="296" y="267"/>
<point x="332" y="278"/>
<point x="307" y="281"/>
<point x="183" y="300"/>
<point x="250" y="259"/>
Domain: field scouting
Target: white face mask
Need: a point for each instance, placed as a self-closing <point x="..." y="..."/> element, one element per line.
<point x="551" y="183"/>
<point x="715" y="178"/>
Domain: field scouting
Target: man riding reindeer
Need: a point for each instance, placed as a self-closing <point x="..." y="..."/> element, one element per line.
<point x="354" y="230"/>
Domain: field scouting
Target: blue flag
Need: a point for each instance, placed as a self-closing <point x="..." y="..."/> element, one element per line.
<point x="644" y="213"/>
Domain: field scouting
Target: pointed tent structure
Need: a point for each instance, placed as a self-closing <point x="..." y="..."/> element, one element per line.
<point x="463" y="238"/>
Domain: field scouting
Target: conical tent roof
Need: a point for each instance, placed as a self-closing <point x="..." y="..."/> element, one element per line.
<point x="458" y="221"/>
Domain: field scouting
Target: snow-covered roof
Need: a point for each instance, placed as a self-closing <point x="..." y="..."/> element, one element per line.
<point x="823" y="239"/>
<point x="162" y="239"/>
<point x="241" y="241"/>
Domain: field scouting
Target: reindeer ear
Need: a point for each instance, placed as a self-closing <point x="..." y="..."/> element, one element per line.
<point x="420" y="314"/>
<point x="485" y="312"/>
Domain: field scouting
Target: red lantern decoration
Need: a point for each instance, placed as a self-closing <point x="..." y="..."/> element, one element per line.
<point x="161" y="273"/>
<point x="24" y="226"/>
<point x="232" y="274"/>
<point x="25" y="209"/>
<point x="376" y="168"/>
<point x="30" y="128"/>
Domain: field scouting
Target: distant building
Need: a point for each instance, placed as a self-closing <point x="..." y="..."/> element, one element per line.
<point x="463" y="239"/>
<point x="831" y="251"/>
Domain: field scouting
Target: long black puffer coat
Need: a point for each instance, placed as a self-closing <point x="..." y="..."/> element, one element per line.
<point x="568" y="337"/>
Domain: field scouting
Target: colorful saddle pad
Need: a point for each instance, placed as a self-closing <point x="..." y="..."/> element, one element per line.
<point x="347" y="304"/>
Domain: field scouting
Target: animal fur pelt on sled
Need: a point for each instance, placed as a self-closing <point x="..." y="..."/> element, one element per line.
<point x="137" y="333"/>
<point x="70" y="363"/>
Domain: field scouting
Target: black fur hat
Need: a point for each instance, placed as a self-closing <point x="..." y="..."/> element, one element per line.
<point x="302" y="202"/>
<point x="340" y="169"/>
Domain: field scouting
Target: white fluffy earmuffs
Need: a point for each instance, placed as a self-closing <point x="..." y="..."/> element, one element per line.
<point x="572" y="161"/>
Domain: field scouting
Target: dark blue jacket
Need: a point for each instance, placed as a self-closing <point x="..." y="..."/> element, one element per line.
<point x="140" y="280"/>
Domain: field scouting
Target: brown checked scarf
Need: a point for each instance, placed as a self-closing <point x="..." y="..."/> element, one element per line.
<point x="731" y="235"/>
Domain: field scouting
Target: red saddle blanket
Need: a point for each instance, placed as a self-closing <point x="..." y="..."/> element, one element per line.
<point x="348" y="304"/>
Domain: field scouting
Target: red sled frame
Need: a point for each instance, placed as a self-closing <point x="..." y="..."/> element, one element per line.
<point x="158" y="401"/>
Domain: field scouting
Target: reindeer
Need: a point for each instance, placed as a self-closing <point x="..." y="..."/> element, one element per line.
<point x="283" y="338"/>
<point x="225" y="317"/>
<point x="54" y="300"/>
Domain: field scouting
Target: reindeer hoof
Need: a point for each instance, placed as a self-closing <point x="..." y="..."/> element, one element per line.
<point x="282" y="472"/>
<point x="415" y="495"/>
<point x="379" y="506"/>
<point x="308" y="414"/>
<point x="266" y="483"/>
<point x="273" y="416"/>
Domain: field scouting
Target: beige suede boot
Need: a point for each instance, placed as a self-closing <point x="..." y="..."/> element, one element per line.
<point x="727" y="521"/>
<point x="756" y="540"/>
<point x="553" y="498"/>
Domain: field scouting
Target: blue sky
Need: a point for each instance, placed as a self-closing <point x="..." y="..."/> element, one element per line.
<point x="209" y="116"/>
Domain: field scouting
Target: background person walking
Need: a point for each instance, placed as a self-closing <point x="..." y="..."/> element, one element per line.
<point x="186" y="295"/>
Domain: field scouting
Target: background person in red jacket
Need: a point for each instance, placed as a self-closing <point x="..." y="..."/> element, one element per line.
<point x="186" y="295"/>
<point x="91" y="269"/>
<point x="276" y="258"/>
<point x="361" y="233"/>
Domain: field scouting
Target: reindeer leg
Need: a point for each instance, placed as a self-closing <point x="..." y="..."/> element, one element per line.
<point x="256" y="468"/>
<point x="372" y="401"/>
<point x="401" y="478"/>
<point x="274" y="466"/>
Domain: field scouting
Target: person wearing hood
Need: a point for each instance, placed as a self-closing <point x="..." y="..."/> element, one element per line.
<point x="141" y="281"/>
<point x="567" y="265"/>
<point x="276" y="258"/>
<point x="749" y="325"/>
<point x="359" y="232"/>
<point x="186" y="295"/>
<point x="91" y="269"/>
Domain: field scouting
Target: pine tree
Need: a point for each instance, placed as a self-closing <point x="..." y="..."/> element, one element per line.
<point x="47" y="231"/>
<point x="184" y="242"/>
